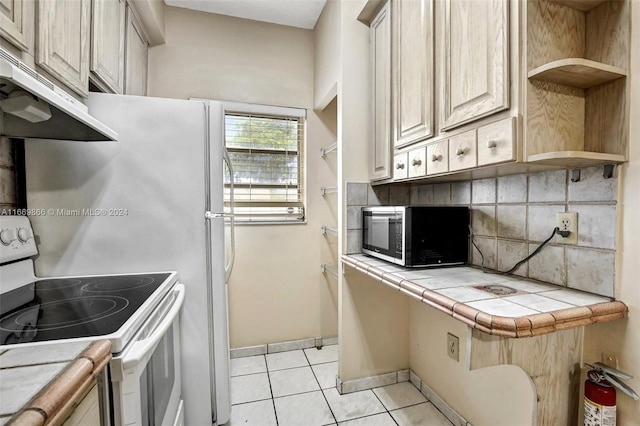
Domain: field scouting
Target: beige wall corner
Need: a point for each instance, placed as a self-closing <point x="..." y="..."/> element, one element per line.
<point x="277" y="291"/>
<point x="374" y="335"/>
<point x="151" y="13"/>
<point x="327" y="55"/>
<point x="494" y="395"/>
<point x="622" y="338"/>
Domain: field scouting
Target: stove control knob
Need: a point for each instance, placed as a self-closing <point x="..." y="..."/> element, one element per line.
<point x="24" y="234"/>
<point x="7" y="236"/>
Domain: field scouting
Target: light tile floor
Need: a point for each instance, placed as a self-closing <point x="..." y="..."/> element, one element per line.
<point x="297" y="388"/>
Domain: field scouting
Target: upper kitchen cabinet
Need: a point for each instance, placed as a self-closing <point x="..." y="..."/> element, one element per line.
<point x="413" y="71"/>
<point x="108" y="27"/>
<point x="475" y="78"/>
<point x="521" y="86"/>
<point x="136" y="56"/>
<point x="577" y="90"/>
<point x="16" y="23"/>
<point x="62" y="47"/>
<point x="381" y="145"/>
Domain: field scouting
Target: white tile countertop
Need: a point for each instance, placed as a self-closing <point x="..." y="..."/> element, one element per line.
<point x="497" y="304"/>
<point x="31" y="379"/>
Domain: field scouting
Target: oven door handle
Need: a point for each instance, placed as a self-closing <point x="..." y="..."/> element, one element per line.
<point x="141" y="348"/>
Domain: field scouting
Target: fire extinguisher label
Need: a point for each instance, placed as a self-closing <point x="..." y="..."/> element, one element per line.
<point x="598" y="415"/>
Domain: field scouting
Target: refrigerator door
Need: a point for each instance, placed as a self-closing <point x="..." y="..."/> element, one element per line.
<point x="134" y="205"/>
<point x="218" y="274"/>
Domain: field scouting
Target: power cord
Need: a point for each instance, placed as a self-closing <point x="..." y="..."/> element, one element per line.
<point x="556" y="230"/>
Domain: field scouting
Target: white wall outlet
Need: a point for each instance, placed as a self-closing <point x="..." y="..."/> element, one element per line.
<point x="567" y="222"/>
<point x="453" y="347"/>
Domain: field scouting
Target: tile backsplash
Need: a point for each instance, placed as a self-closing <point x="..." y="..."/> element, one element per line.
<point x="7" y="175"/>
<point x="512" y="215"/>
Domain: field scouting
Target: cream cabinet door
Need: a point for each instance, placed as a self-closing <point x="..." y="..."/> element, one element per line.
<point x="136" y="65"/>
<point x="413" y="70"/>
<point x="62" y="47"/>
<point x="107" y="44"/>
<point x="476" y="48"/>
<point x="16" y="23"/>
<point x="380" y="41"/>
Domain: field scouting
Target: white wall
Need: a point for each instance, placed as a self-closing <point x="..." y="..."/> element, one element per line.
<point x="277" y="292"/>
<point x="498" y="395"/>
<point x="373" y="321"/>
<point x="622" y="338"/>
<point x="327" y="54"/>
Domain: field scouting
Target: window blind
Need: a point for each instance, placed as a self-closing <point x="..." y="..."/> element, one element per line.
<point x="267" y="157"/>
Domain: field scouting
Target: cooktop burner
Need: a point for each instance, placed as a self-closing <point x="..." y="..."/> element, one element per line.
<point x="63" y="308"/>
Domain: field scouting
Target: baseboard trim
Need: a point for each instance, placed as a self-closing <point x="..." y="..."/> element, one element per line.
<point x="291" y="345"/>
<point x="451" y="414"/>
<point x="364" y="383"/>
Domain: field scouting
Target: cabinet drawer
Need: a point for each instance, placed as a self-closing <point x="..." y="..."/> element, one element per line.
<point x="462" y="151"/>
<point x="496" y="142"/>
<point x="438" y="158"/>
<point x="400" y="169"/>
<point x="417" y="163"/>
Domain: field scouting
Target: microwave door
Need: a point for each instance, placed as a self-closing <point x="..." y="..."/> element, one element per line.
<point x="379" y="232"/>
<point x="382" y="235"/>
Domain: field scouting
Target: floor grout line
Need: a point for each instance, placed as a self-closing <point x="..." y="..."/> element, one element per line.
<point x="273" y="401"/>
<point x="385" y="407"/>
<point x="321" y="390"/>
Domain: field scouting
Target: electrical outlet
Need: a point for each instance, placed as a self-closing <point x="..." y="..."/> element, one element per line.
<point x="567" y="222"/>
<point x="453" y="346"/>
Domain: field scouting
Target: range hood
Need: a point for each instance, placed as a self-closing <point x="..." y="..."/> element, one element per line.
<point x="32" y="107"/>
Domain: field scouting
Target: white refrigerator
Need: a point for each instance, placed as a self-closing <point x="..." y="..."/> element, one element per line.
<point x="149" y="202"/>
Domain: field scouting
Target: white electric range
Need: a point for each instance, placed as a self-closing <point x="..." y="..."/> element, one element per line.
<point x="138" y="313"/>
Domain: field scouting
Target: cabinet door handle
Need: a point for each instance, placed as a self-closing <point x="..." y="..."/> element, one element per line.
<point x="400" y="166"/>
<point x="460" y="151"/>
<point x="491" y="144"/>
<point x="416" y="162"/>
<point x="436" y="157"/>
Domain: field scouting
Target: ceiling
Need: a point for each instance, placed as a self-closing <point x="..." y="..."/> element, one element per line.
<point x="293" y="13"/>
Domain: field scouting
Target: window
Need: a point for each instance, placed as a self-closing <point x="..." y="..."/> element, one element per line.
<point x="266" y="149"/>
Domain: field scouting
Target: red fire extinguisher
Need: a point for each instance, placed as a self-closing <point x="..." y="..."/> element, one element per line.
<point x="600" y="394"/>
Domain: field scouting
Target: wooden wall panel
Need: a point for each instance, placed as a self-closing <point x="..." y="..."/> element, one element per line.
<point x="555" y="118"/>
<point x="553" y="32"/>
<point x="607" y="38"/>
<point x="606" y="118"/>
<point x="551" y="360"/>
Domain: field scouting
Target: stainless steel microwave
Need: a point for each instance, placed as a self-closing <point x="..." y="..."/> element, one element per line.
<point x="417" y="236"/>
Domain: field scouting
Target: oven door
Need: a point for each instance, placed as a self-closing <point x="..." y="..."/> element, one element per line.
<point x="145" y="376"/>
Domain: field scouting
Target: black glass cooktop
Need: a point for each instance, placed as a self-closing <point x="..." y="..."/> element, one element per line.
<point x="64" y="308"/>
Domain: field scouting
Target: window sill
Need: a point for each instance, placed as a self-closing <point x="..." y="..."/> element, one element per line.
<point x="284" y="222"/>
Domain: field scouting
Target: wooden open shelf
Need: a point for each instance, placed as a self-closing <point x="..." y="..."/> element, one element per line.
<point x="581" y="5"/>
<point x="577" y="72"/>
<point x="575" y="159"/>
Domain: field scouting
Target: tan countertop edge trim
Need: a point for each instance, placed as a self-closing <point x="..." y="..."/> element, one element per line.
<point x="527" y="326"/>
<point x="60" y="397"/>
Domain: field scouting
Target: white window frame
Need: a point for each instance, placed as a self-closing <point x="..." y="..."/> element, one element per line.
<point x="276" y="111"/>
